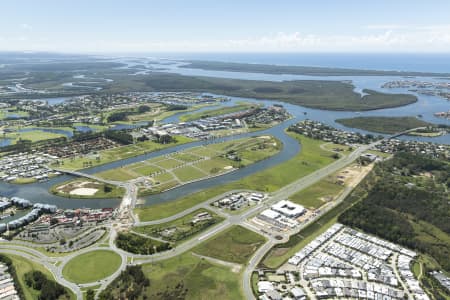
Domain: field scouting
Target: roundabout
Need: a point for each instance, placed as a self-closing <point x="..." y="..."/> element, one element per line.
<point x="91" y="266"/>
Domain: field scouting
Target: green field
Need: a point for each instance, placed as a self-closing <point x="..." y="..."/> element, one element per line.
<point x="118" y="174"/>
<point x="196" y="163"/>
<point x="216" y="112"/>
<point x="183" y="227"/>
<point x="91" y="266"/>
<point x="384" y="124"/>
<point x="24" y="266"/>
<point x="315" y="195"/>
<point x="310" y="159"/>
<point x="145" y="170"/>
<point x="33" y="136"/>
<point x="236" y="244"/>
<point x="191" y="278"/>
<point x="110" y="155"/>
<point x="103" y="190"/>
<point x="189" y="173"/>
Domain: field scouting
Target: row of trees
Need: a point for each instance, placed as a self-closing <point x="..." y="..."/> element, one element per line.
<point x="140" y="245"/>
<point x="131" y="284"/>
<point x="119" y="136"/>
<point x="49" y="289"/>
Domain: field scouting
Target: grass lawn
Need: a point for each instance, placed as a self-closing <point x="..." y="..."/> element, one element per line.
<point x="23" y="180"/>
<point x="110" y="155"/>
<point x="185" y="156"/>
<point x="333" y="146"/>
<point x="163" y="177"/>
<point x="184" y="229"/>
<point x="308" y="160"/>
<point x="188" y="173"/>
<point x="34" y="136"/>
<point x="91" y="266"/>
<point x="236" y="244"/>
<point x="193" y="277"/>
<point x="119" y="174"/>
<point x="64" y="189"/>
<point x="24" y="266"/>
<point x="312" y="196"/>
<point x="214" y="166"/>
<point x="146" y="170"/>
<point x="168" y="163"/>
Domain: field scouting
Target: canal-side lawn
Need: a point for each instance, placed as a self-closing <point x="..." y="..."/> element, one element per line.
<point x="76" y="189"/>
<point x="311" y="158"/>
<point x="118" y="153"/>
<point x="195" y="163"/>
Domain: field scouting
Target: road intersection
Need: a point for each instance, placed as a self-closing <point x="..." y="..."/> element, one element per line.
<point x="128" y="219"/>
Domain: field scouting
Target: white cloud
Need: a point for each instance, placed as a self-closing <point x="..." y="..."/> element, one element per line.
<point x="26" y="26"/>
<point x="374" y="38"/>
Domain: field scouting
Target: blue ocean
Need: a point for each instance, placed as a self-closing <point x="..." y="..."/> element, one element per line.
<point x="426" y="62"/>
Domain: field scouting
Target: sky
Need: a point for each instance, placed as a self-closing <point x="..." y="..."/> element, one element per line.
<point x="138" y="26"/>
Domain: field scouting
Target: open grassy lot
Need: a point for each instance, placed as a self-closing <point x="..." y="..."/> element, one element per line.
<point x="103" y="190"/>
<point x="119" y="174"/>
<point x="164" y="177"/>
<point x="119" y="153"/>
<point x="24" y="266"/>
<point x="317" y="194"/>
<point x="186" y="157"/>
<point x="34" y="135"/>
<point x="217" y="112"/>
<point x="236" y="244"/>
<point x="215" y="165"/>
<point x="180" y="229"/>
<point x="384" y="124"/>
<point x="191" y="278"/>
<point x="145" y="169"/>
<point x="188" y="173"/>
<point x="308" y="160"/>
<point x="168" y="163"/>
<point x="91" y="266"/>
<point x="178" y="168"/>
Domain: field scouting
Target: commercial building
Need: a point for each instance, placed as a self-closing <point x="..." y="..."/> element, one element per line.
<point x="289" y="209"/>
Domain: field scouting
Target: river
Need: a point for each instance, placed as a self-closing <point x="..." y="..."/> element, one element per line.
<point x="425" y="106"/>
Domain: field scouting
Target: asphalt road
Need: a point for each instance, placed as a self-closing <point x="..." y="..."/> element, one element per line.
<point x="56" y="264"/>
